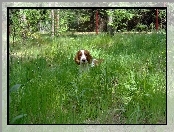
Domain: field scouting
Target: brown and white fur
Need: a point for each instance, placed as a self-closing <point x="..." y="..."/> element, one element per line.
<point x="84" y="59"/>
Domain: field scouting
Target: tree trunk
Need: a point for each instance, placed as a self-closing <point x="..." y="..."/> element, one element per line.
<point x="52" y="16"/>
<point x="110" y="22"/>
<point x="25" y="26"/>
<point x="56" y="16"/>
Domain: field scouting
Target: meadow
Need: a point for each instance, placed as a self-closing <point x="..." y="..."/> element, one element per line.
<point x="129" y="87"/>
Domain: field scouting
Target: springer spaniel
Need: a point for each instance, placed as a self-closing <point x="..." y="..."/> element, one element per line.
<point x="85" y="60"/>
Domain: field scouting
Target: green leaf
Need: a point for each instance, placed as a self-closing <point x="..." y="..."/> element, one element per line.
<point x="18" y="117"/>
<point x="15" y="87"/>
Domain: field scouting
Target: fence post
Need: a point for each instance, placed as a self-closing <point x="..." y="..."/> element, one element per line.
<point x="96" y="22"/>
<point x="156" y="19"/>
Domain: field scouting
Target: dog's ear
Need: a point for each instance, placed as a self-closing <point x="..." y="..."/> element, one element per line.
<point x="76" y="59"/>
<point x="89" y="57"/>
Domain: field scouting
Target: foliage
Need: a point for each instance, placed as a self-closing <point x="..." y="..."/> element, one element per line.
<point x="29" y="21"/>
<point x="119" y="15"/>
<point x="136" y="19"/>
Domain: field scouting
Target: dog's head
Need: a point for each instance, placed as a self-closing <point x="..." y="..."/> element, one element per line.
<point x="83" y="57"/>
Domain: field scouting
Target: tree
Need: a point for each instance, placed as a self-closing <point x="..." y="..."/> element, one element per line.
<point x="52" y="18"/>
<point x="110" y="22"/>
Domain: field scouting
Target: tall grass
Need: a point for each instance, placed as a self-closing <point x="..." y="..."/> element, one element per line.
<point x="129" y="87"/>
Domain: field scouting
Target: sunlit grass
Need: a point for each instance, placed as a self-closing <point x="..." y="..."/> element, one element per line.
<point x="128" y="87"/>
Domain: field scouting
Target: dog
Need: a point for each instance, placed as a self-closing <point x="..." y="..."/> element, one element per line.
<point x="84" y="59"/>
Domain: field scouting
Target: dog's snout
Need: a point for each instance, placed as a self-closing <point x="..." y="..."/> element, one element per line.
<point x="83" y="60"/>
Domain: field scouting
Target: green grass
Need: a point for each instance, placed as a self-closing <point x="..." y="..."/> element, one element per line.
<point x="129" y="87"/>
